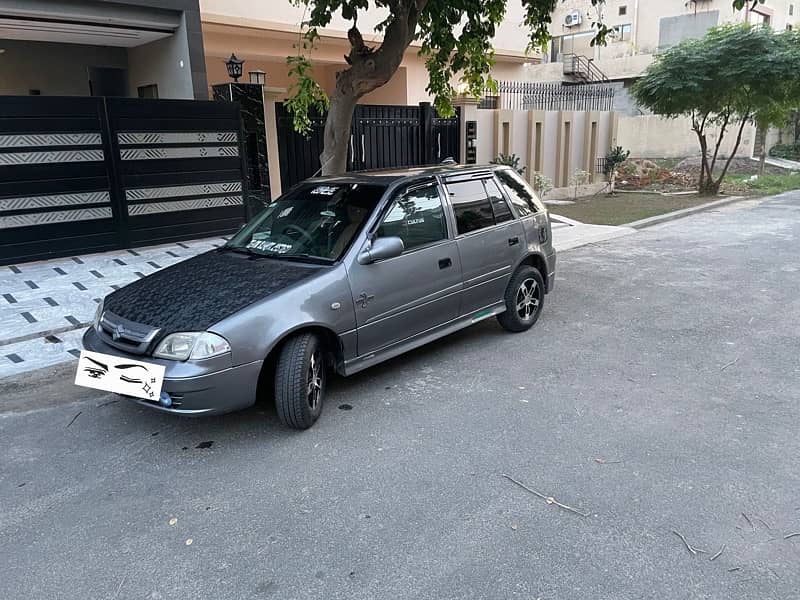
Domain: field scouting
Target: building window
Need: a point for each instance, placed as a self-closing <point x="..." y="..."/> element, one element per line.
<point x="622" y="33"/>
<point x="623" y="10"/>
<point x="791" y="10"/>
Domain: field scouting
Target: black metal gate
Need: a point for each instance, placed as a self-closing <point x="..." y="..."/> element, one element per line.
<point x="84" y="175"/>
<point x="380" y="137"/>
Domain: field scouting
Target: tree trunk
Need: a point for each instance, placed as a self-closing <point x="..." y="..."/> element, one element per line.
<point x="734" y="150"/>
<point x="762" y="155"/>
<point x="337" y="133"/>
<point x="369" y="69"/>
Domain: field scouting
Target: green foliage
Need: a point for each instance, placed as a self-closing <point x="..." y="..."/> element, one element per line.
<point x="510" y="160"/>
<point x="579" y="178"/>
<point x="455" y="38"/>
<point x="763" y="185"/>
<point x="734" y="75"/>
<point x="541" y="183"/>
<point x="787" y="151"/>
<point x="614" y="158"/>
<point x="306" y="97"/>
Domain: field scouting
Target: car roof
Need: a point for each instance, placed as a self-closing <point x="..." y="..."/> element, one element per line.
<point x="390" y="176"/>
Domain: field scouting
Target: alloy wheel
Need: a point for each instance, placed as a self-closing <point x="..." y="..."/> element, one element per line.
<point x="314" y="380"/>
<point x="528" y="298"/>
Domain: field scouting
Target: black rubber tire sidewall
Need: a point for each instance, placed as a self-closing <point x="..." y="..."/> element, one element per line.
<point x="291" y="381"/>
<point x="509" y="319"/>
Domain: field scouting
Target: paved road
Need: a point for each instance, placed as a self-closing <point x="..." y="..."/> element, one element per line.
<point x="671" y="355"/>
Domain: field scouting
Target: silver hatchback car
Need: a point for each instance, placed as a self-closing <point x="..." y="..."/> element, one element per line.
<point x="338" y="274"/>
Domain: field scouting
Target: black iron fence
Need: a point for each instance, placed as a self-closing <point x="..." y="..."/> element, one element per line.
<point x="521" y="95"/>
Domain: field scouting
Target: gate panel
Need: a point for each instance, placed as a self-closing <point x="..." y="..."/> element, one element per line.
<point x="54" y="186"/>
<point x="180" y="169"/>
<point x="380" y="137"/>
<point x="445" y="137"/>
<point x="387" y="136"/>
<point x="298" y="155"/>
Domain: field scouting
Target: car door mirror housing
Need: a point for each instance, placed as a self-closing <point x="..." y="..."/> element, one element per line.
<point x="381" y="249"/>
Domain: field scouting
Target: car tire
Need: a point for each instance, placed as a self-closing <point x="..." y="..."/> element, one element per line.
<point x="300" y="381"/>
<point x="524" y="300"/>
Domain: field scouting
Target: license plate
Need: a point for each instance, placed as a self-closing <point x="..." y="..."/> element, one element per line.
<point x="119" y="375"/>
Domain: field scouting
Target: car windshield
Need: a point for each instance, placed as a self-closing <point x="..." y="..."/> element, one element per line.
<point x="314" y="222"/>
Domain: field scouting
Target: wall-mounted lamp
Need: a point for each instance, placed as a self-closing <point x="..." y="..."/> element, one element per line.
<point x="234" y="66"/>
<point x="258" y="76"/>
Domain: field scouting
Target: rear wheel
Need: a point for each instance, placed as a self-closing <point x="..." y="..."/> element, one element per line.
<point x="524" y="300"/>
<point x="300" y="380"/>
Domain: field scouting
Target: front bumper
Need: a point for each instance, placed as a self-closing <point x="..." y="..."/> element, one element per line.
<point x="205" y="389"/>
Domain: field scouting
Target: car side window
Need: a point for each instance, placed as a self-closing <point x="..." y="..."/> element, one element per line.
<point x="471" y="205"/>
<point x="522" y="196"/>
<point x="416" y="217"/>
<point x="502" y="212"/>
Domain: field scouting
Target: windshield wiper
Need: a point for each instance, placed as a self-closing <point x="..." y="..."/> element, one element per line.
<point x="242" y="250"/>
<point x="301" y="257"/>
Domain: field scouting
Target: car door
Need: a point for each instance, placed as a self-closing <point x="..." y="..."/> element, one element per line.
<point x="530" y="209"/>
<point x="490" y="239"/>
<point x="402" y="297"/>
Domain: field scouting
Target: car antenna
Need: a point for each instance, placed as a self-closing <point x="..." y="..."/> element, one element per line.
<point x="322" y="166"/>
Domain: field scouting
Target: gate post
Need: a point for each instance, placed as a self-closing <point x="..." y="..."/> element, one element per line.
<point x="426" y="113"/>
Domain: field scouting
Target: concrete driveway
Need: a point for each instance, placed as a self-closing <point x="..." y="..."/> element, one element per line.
<point x="658" y="393"/>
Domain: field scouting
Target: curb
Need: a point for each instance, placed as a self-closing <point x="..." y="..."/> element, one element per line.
<point x="684" y="212"/>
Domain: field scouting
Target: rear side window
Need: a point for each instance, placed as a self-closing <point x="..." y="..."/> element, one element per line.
<point x="521" y="195"/>
<point x="471" y="205"/>
<point x="502" y="212"/>
<point x="416" y="217"/>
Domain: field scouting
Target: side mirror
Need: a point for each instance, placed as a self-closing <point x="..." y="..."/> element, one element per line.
<point x="381" y="249"/>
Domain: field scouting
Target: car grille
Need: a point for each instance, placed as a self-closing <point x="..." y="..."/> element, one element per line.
<point x="126" y="335"/>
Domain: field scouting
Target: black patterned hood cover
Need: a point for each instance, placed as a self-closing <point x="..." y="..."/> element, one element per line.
<point x="196" y="293"/>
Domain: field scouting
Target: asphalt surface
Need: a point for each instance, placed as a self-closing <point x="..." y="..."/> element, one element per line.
<point x="658" y="393"/>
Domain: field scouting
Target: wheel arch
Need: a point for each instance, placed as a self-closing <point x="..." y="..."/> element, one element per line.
<point x="333" y="349"/>
<point x="538" y="262"/>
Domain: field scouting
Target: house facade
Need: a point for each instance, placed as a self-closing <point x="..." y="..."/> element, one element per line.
<point x="265" y="33"/>
<point x="642" y="29"/>
<point x="134" y="48"/>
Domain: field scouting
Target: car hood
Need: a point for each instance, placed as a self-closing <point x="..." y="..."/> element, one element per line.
<point x="196" y="293"/>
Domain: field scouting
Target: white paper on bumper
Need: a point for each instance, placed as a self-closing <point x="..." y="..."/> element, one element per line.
<point x="120" y="375"/>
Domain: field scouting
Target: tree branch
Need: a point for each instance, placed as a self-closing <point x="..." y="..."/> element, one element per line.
<point x="720" y="137"/>
<point x="745" y="120"/>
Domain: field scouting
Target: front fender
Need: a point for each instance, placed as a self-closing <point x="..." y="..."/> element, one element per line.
<point x="323" y="301"/>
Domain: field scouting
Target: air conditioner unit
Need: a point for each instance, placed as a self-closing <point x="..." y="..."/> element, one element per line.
<point x="574" y="18"/>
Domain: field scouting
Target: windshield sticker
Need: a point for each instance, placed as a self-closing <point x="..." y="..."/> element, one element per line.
<point x="415" y="221"/>
<point x="267" y="246"/>
<point x="285" y="212"/>
<point x="325" y="190"/>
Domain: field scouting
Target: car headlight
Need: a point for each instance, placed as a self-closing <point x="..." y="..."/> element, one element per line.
<point x="194" y="345"/>
<point x="98" y="314"/>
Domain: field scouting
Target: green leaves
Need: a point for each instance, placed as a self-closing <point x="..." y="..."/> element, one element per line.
<point x="736" y="70"/>
<point x="306" y="97"/>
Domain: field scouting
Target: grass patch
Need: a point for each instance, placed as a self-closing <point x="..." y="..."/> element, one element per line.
<point x="765" y="185"/>
<point x="624" y="208"/>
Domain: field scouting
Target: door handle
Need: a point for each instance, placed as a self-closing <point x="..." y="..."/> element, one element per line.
<point x="363" y="153"/>
<point x="513" y="241"/>
<point x="445" y="263"/>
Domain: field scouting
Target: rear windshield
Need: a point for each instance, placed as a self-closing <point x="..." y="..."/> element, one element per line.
<point x="314" y="221"/>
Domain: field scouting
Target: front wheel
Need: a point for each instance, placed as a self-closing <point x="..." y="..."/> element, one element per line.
<point x="524" y="300"/>
<point x="300" y="381"/>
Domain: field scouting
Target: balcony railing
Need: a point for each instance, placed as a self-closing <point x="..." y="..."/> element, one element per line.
<point x="523" y="95"/>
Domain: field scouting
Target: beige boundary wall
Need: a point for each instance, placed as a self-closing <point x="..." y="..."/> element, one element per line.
<point x="554" y="143"/>
<point x="651" y="136"/>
